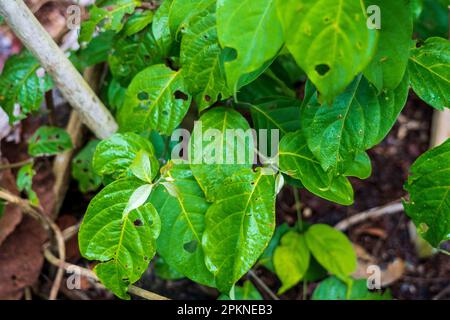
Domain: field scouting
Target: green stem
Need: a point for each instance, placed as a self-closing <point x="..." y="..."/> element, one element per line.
<point x="298" y="209"/>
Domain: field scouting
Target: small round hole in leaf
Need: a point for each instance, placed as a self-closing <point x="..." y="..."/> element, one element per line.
<point x="322" y="69"/>
<point x="143" y="96"/>
<point x="190" y="246"/>
<point x="180" y="95"/>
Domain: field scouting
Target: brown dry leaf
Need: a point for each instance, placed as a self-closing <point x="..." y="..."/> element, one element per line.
<point x="12" y="215"/>
<point x="393" y="272"/>
<point x="372" y="231"/>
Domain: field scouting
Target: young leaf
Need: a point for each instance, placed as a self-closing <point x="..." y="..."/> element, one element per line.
<point x="358" y="119"/>
<point x="429" y="191"/>
<point x="329" y="40"/>
<point x="291" y="260"/>
<point x="332" y="249"/>
<point x="182" y="224"/>
<point x="266" y="258"/>
<point x="25" y="181"/>
<point x="429" y="67"/>
<point x="114" y="156"/>
<point x="239" y="225"/>
<point x="123" y="241"/>
<point x="107" y="17"/>
<point x="246" y="292"/>
<point x="334" y="289"/>
<point x="82" y="169"/>
<point x="391" y="60"/>
<point x="23" y="82"/>
<point x="141" y="166"/>
<point x="260" y="42"/>
<point x="297" y="161"/>
<point x="48" y="141"/>
<point x="138" y="21"/>
<point x="201" y="58"/>
<point x="156" y="99"/>
<point x="215" y="152"/>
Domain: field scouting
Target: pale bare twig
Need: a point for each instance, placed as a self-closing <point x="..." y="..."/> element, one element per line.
<point x="263" y="285"/>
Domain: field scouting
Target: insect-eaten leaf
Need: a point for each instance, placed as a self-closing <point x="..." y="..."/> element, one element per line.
<point x="49" y="141"/>
<point x="82" y="169"/>
<point x="25" y="181"/>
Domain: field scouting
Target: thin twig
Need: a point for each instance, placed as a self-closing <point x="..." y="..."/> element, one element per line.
<point x="15" y="165"/>
<point x="442" y="294"/>
<point x="262" y="284"/>
<point x="390" y="208"/>
<point x="48" y="225"/>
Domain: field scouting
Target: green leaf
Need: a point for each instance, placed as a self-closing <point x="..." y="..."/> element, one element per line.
<point x="182" y="223"/>
<point x="141" y="166"/>
<point x="138" y="21"/>
<point x="182" y="11"/>
<point x="429" y="192"/>
<point x="429" y="67"/>
<point x="201" y="59"/>
<point x="22" y="83"/>
<point x="334" y="289"/>
<point x="122" y="240"/>
<point x="95" y="52"/>
<point x="160" y="27"/>
<point x="239" y="225"/>
<point x="166" y="271"/>
<point x="115" y="95"/>
<point x="360" y="167"/>
<point x="24" y="182"/>
<point x="82" y="169"/>
<point x="251" y="29"/>
<point x="48" y="141"/>
<point x="114" y="157"/>
<point x="297" y="161"/>
<point x="358" y="119"/>
<point x="266" y="258"/>
<point x="291" y="260"/>
<point x="2" y="208"/>
<point x="215" y="156"/>
<point x="130" y="55"/>
<point x="391" y="60"/>
<point x="109" y="16"/>
<point x="332" y="249"/>
<point x="156" y="99"/>
<point x="329" y="40"/>
<point x="246" y="292"/>
<point x="433" y="20"/>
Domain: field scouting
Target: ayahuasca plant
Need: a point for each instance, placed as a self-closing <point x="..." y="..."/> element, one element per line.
<point x="236" y="65"/>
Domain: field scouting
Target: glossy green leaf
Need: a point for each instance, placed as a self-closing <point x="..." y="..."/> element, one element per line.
<point x="122" y="240"/>
<point x="334" y="289"/>
<point x="114" y="156"/>
<point x="182" y="223"/>
<point x="109" y="16"/>
<point x="160" y="27"/>
<point x="358" y="119"/>
<point x="252" y="29"/>
<point x="82" y="169"/>
<point x="329" y="40"/>
<point x="157" y="99"/>
<point x="23" y="83"/>
<point x="138" y="21"/>
<point x="429" y="66"/>
<point x="433" y="19"/>
<point x="239" y="225"/>
<point x="24" y="182"/>
<point x="166" y="271"/>
<point x="95" y="52"/>
<point x="141" y="166"/>
<point x="182" y="12"/>
<point x="215" y="153"/>
<point x="391" y="60"/>
<point x="297" y="161"/>
<point x="201" y="58"/>
<point x="48" y="141"/>
<point x="266" y="258"/>
<point x="332" y="249"/>
<point x="360" y="167"/>
<point x="291" y="260"/>
<point x="429" y="192"/>
<point x="247" y="292"/>
<point x="130" y="55"/>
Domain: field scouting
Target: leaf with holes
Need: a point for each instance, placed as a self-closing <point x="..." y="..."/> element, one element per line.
<point x="429" y="67"/>
<point x="358" y="119"/>
<point x="239" y="225"/>
<point x="291" y="260"/>
<point x="115" y="156"/>
<point x="389" y="65"/>
<point x="119" y="230"/>
<point x="48" y="141"/>
<point x="157" y="99"/>
<point x="23" y="83"/>
<point x="329" y="40"/>
<point x="221" y="144"/>
<point x="332" y="250"/>
<point x="251" y="30"/>
<point x="201" y="59"/>
<point x="25" y="182"/>
<point x="182" y="223"/>
<point x="82" y="169"/>
<point x="429" y="191"/>
<point x="298" y="162"/>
